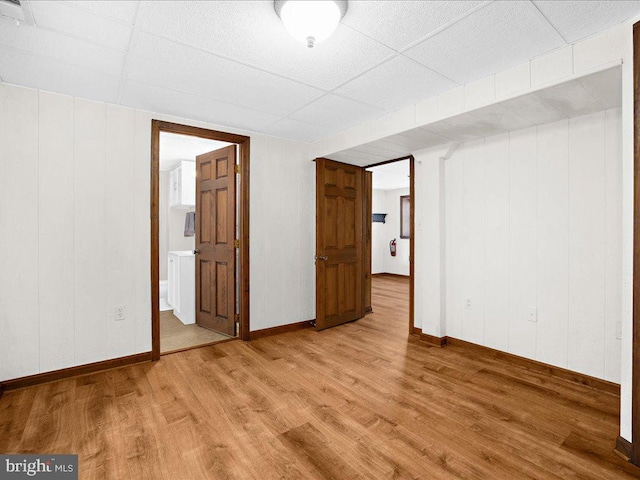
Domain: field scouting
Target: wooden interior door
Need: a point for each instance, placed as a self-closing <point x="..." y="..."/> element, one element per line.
<point x="339" y="243"/>
<point x="215" y="240"/>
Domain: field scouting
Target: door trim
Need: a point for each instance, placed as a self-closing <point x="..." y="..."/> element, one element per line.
<point x="243" y="143"/>
<point x="412" y="203"/>
<point x="635" y="370"/>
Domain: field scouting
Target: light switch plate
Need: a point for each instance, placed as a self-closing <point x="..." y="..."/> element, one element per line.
<point x="532" y="314"/>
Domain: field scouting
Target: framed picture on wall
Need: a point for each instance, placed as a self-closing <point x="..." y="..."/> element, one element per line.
<point x="405" y="216"/>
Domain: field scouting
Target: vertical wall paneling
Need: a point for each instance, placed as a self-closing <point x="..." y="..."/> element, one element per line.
<point x="553" y="243"/>
<point x="473" y="243"/>
<point x="140" y="226"/>
<point x="613" y="244"/>
<point x="454" y="200"/>
<point x="19" y="340"/>
<point x="587" y="244"/>
<point x="89" y="231"/>
<point x="119" y="229"/>
<point x="496" y="245"/>
<point x="55" y="223"/>
<point x="522" y="241"/>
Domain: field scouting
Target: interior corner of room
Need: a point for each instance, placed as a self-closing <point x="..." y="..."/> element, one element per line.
<point x="476" y="179"/>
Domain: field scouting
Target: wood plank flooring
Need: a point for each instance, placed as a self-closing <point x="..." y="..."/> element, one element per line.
<point x="356" y="401"/>
<point x="175" y="335"/>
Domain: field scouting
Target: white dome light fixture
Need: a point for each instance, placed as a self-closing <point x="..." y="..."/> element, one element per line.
<point x="310" y="21"/>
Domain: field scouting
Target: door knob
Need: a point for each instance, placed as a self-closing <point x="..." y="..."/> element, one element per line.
<point x="322" y="257"/>
<point x="196" y="251"/>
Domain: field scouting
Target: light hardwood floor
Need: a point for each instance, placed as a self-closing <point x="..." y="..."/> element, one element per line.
<point x="357" y="401"/>
<point x="175" y="335"/>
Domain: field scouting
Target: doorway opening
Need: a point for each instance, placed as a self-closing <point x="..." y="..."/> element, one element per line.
<point x="344" y="236"/>
<point x="199" y="237"/>
<point x="390" y="198"/>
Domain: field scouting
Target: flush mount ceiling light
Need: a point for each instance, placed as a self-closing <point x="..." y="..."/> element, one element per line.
<point x="310" y="21"/>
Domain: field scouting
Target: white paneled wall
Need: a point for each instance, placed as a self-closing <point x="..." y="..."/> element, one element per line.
<point x="19" y="253"/>
<point x="534" y="228"/>
<point x="388" y="201"/>
<point x="75" y="222"/>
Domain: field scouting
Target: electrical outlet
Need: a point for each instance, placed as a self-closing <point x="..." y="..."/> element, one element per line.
<point x="120" y="312"/>
<point x="532" y="314"/>
<point x="468" y="304"/>
<point x="619" y="330"/>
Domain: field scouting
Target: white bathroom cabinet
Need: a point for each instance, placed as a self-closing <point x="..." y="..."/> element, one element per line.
<point x="182" y="185"/>
<point x="181" y="294"/>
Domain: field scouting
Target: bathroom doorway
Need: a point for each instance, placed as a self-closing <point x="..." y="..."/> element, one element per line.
<point x="198" y="222"/>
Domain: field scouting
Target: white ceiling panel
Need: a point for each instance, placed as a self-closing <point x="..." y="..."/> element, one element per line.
<point x="164" y="100"/>
<point x="354" y="156"/>
<point x="395" y="84"/>
<point x="578" y="19"/>
<point x="250" y="32"/>
<point x="57" y="46"/>
<point x="123" y="11"/>
<point x="400" y="24"/>
<point x="501" y="118"/>
<point x="21" y="68"/>
<point x="599" y="85"/>
<point x="165" y="63"/>
<point x="416" y="139"/>
<point x="337" y="112"/>
<point x="295" y="130"/>
<point x="491" y="39"/>
<point x="62" y="17"/>
<point x="569" y="100"/>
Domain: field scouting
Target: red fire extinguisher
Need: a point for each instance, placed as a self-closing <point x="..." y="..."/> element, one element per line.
<point x="392" y="247"/>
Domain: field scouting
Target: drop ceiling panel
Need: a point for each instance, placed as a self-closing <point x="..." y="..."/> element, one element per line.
<point x="570" y="100"/>
<point x="158" y="99"/>
<point x="250" y="32"/>
<point x="578" y="19"/>
<point x="165" y="63"/>
<point x="501" y="118"/>
<point x="295" y="130"/>
<point x="354" y="156"/>
<point x="21" y="68"/>
<point x="400" y="24"/>
<point x="492" y="39"/>
<point x="337" y="112"/>
<point x="81" y="24"/>
<point x="57" y="46"/>
<point x="599" y="85"/>
<point x="580" y="96"/>
<point x="463" y="128"/>
<point x="380" y="148"/>
<point x="395" y="84"/>
<point x="123" y="11"/>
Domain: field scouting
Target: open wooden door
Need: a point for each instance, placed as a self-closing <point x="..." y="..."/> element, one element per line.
<point x="339" y="243"/>
<point x="215" y="240"/>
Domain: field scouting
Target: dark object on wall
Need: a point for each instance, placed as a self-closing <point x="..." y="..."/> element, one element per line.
<point x="190" y="224"/>
<point x="379" y="217"/>
<point x="405" y="216"/>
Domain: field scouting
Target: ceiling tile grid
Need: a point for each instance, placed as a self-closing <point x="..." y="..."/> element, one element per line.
<point x="398" y="25"/>
<point x="233" y="63"/>
<point x="494" y="38"/>
<point x="395" y="84"/>
<point x="82" y="24"/>
<point x="575" y="20"/>
<point x="57" y="46"/>
<point x="157" y="61"/>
